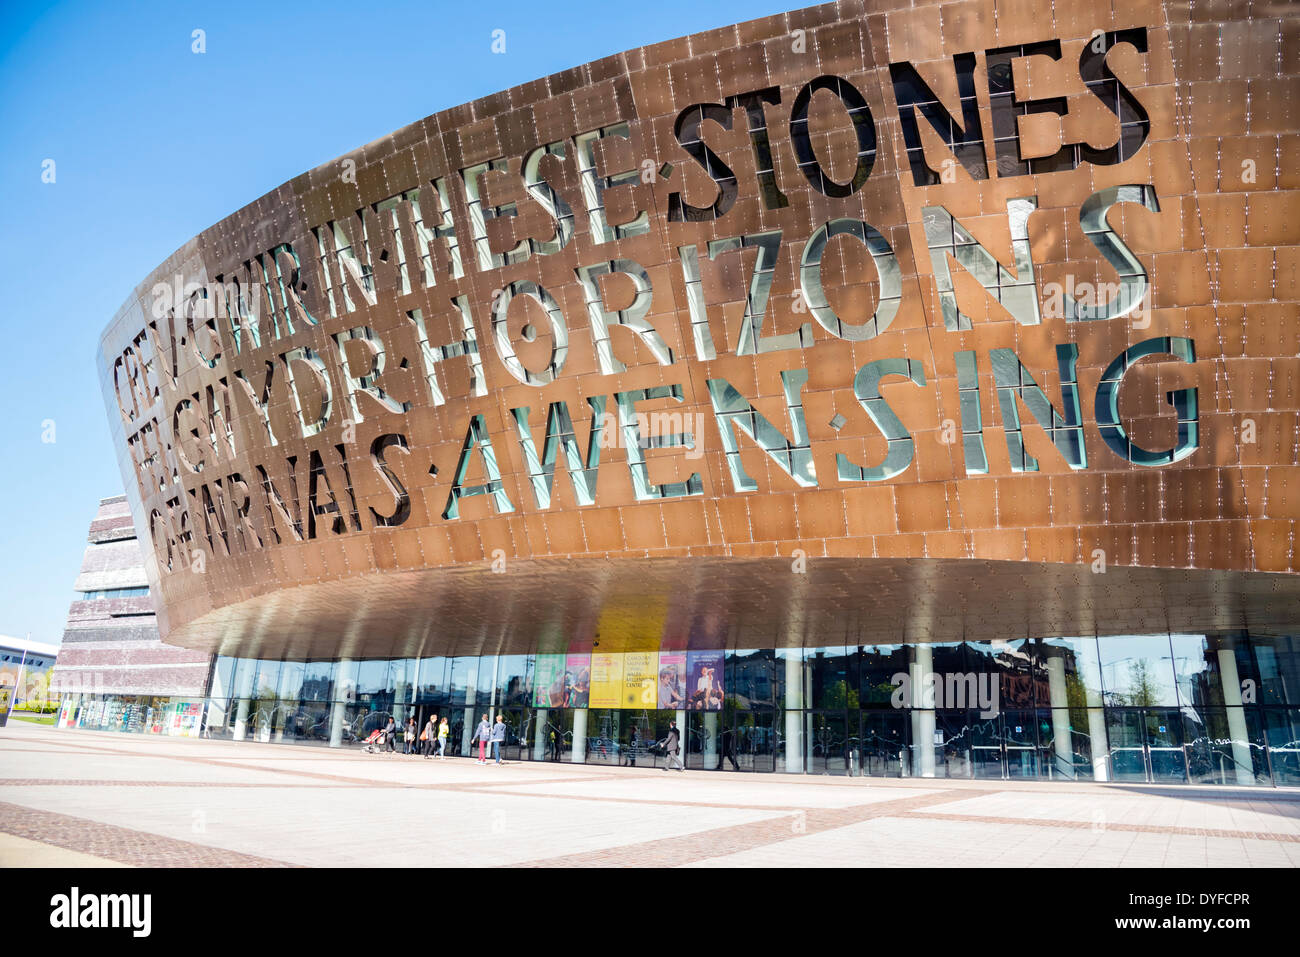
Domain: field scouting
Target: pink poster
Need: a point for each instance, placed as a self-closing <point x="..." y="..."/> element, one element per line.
<point x="577" y="681"/>
<point x="672" y="680"/>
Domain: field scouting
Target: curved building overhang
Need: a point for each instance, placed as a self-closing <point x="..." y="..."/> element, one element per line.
<point x="631" y="604"/>
<point x="864" y="322"/>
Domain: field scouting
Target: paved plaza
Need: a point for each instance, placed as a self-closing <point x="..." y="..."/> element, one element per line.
<point x="80" y="798"/>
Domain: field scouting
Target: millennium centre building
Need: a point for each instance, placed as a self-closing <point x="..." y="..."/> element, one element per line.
<point x="881" y="388"/>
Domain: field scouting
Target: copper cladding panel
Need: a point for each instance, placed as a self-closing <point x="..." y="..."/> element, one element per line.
<point x="932" y="552"/>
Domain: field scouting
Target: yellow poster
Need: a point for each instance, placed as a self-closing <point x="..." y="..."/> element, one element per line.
<point x="639" y="669"/>
<point x="606" y="680"/>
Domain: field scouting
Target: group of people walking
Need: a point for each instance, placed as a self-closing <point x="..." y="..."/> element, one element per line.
<point x="433" y="740"/>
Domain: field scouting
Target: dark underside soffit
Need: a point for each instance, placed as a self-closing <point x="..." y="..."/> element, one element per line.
<point x="631" y="604"/>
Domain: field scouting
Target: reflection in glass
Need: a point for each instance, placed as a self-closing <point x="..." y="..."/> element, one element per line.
<point x="318" y="680"/>
<point x="400" y="674"/>
<point x="951" y="744"/>
<point x="461" y="675"/>
<point x="372" y="677"/>
<point x="756" y="740"/>
<point x="291" y="676"/>
<point x="267" y="679"/>
<point x="829" y="743"/>
<point x="485" y="682"/>
<point x="1137" y="671"/>
<point x="603" y="736"/>
<point x="1161" y="708"/>
<point x="750" y="679"/>
<point x="1068" y="680"/>
<point x="1282" y="727"/>
<point x="878" y="664"/>
<point x="833" y="677"/>
<point x="1164" y="737"/>
<point x="1127" y="752"/>
<point x="1210" y="669"/>
<point x="430" y="682"/>
<point x="514" y="683"/>
<point x="1278" y="658"/>
<point x="1011" y="663"/>
<point x="884" y="748"/>
<point x="1224" y="746"/>
<point x="223" y="672"/>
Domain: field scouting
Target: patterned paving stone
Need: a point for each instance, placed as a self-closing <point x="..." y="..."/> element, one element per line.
<point x="138" y="800"/>
<point x="121" y="844"/>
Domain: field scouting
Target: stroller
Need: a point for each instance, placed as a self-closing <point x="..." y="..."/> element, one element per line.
<point x="374" y="744"/>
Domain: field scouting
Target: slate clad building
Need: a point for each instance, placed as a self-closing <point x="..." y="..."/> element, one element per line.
<point x="878" y="388"/>
<point x="113" y="672"/>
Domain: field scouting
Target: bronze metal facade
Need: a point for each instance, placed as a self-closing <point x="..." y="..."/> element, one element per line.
<point x="903" y="321"/>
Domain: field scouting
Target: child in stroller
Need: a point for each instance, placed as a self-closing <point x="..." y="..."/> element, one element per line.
<point x="374" y="744"/>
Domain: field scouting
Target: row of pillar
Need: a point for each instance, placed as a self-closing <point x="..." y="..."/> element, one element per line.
<point x="922" y="717"/>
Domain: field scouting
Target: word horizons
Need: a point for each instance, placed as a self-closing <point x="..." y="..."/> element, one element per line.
<point x="74" y="910"/>
<point x="294" y="344"/>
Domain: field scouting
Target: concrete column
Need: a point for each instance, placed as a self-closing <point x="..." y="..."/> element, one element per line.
<point x="921" y="667"/>
<point x="467" y="734"/>
<point x="243" y="688"/>
<point x="1062" y="748"/>
<point x="1245" y="765"/>
<point x="336" y="723"/>
<point x="241" y="720"/>
<point x="710" y="740"/>
<point x="540" y="734"/>
<point x="1097" y="734"/>
<point x="579" y="753"/>
<point x="345" y="688"/>
<point x="283" y="695"/>
<point x="471" y="715"/>
<point x="794" y="712"/>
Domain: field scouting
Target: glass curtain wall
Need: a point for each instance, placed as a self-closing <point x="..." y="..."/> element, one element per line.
<point x="1219" y="709"/>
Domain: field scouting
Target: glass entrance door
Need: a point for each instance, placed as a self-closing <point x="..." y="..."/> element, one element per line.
<point x="1166" y="760"/>
<point x="519" y="733"/>
<point x="883" y="748"/>
<point x="1128" y="761"/>
<point x="829" y="743"/>
<point x="637" y="730"/>
<point x="755" y="741"/>
<point x="603" y="735"/>
<point x="1005" y="745"/>
<point x="1146" y="745"/>
<point x="1020" y="744"/>
<point x="557" y="734"/>
<point x="986" y="748"/>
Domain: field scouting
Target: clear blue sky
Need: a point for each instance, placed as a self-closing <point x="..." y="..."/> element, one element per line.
<point x="154" y="143"/>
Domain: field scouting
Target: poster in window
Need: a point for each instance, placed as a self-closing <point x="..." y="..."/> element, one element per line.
<point x="577" y="681"/>
<point x="705" y="685"/>
<point x="606" y="680"/>
<point x="672" y="680"/>
<point x="548" y="682"/>
<point x="639" y="679"/>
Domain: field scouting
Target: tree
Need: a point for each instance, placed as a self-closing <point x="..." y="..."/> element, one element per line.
<point x="1143" y="691"/>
